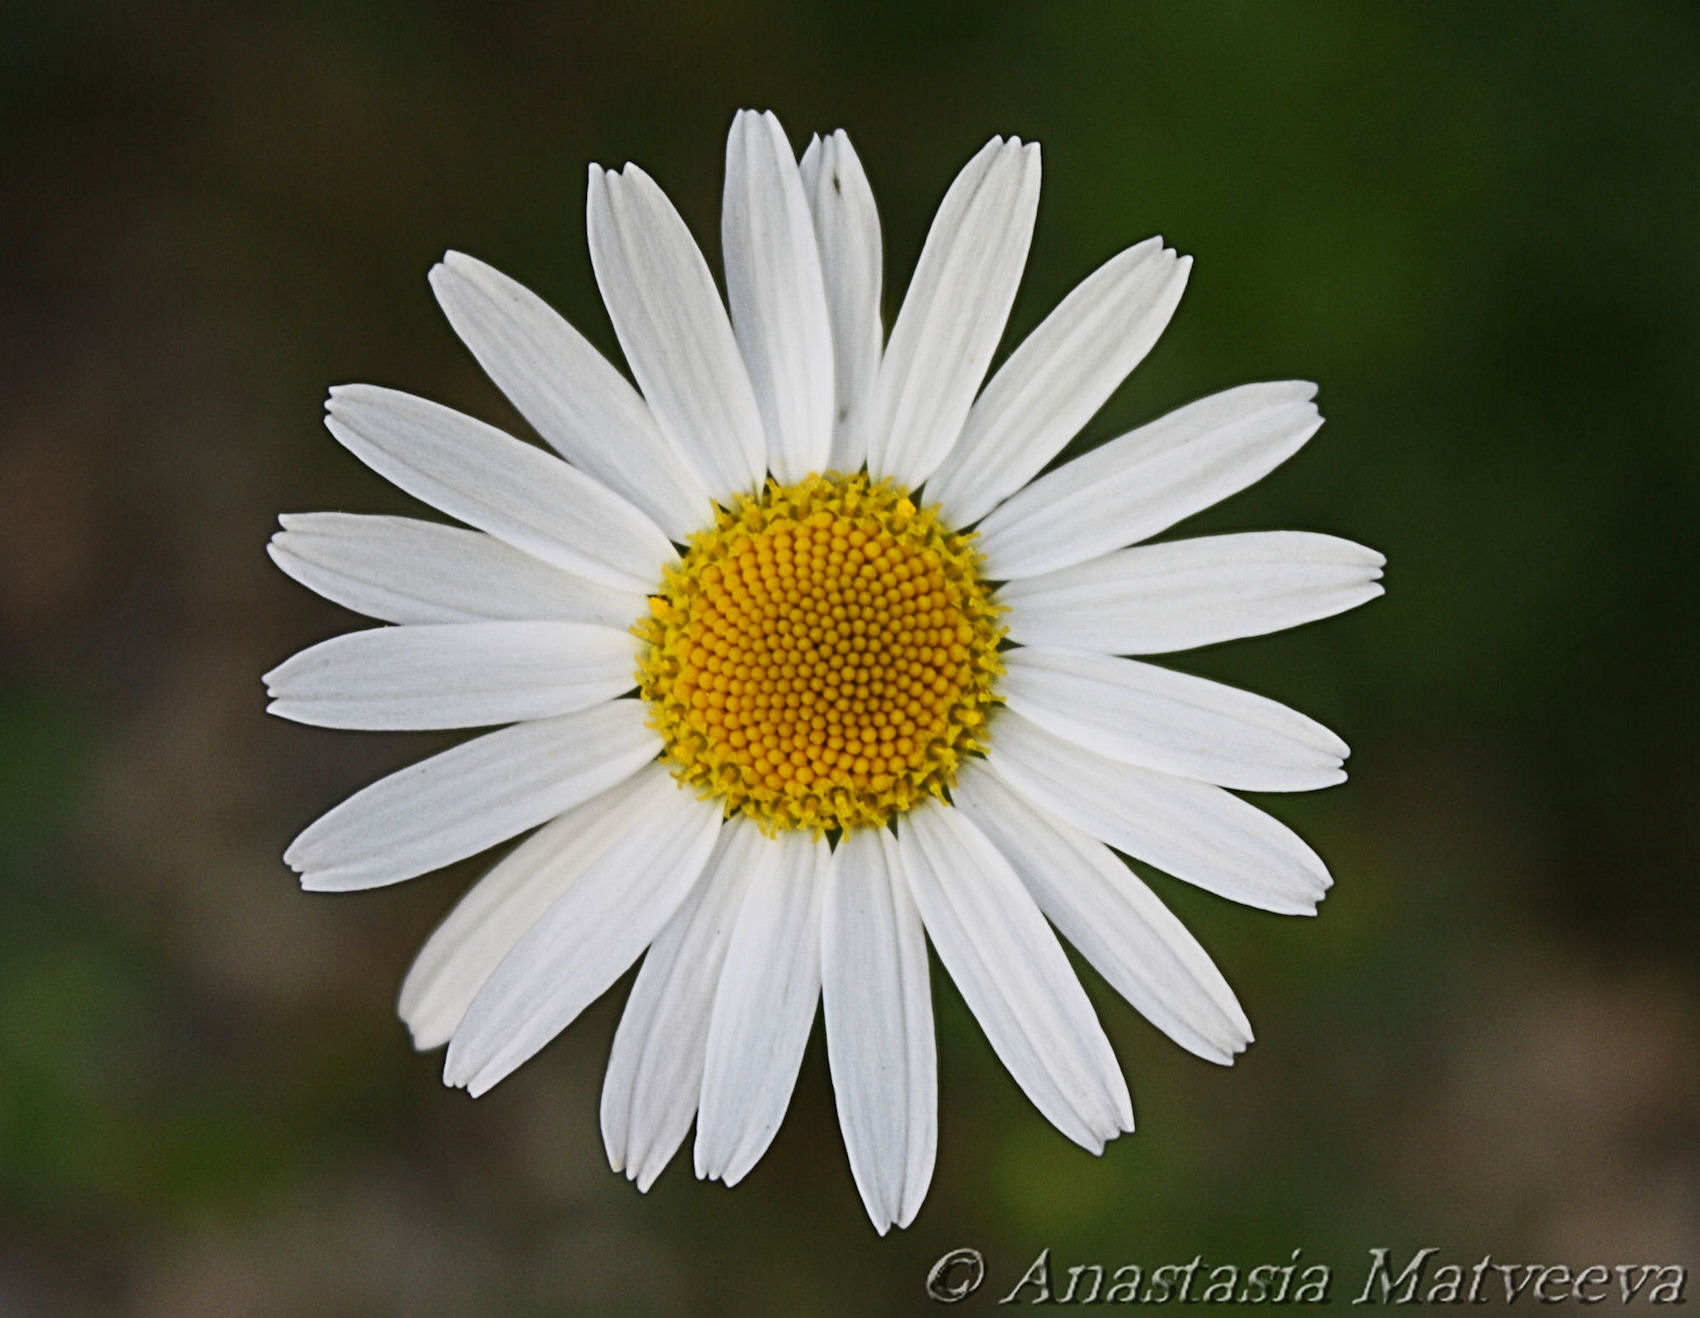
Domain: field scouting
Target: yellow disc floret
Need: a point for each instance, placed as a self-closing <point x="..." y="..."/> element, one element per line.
<point x="823" y="657"/>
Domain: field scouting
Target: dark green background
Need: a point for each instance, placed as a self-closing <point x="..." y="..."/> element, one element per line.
<point x="1474" y="225"/>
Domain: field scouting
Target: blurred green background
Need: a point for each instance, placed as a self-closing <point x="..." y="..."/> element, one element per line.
<point x="1474" y="225"/>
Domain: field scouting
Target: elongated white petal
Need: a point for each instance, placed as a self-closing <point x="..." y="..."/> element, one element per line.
<point x="954" y="312"/>
<point x="776" y="295"/>
<point x="1149" y="479"/>
<point x="453" y="675"/>
<point x="497" y="911"/>
<point x="472" y="796"/>
<point x="398" y="569"/>
<point x="589" y="936"/>
<point x="655" y="1070"/>
<point x="847" y="229"/>
<point x="1193" y="830"/>
<point x="1117" y="922"/>
<point x="673" y="328"/>
<point x="1184" y="593"/>
<point x="1169" y="721"/>
<point x="763" y="1007"/>
<point x="879" y="1029"/>
<point x="513" y="490"/>
<point x="569" y="392"/>
<point x="1012" y="973"/>
<point x="1059" y="377"/>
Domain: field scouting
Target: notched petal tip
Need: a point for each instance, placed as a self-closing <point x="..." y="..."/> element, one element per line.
<point x="753" y="116"/>
<point x="427" y="1027"/>
<point x="425" y="1037"/>
<point x="1238" y="1038"/>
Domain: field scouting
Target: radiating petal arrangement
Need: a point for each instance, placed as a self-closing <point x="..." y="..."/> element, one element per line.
<point x="804" y="665"/>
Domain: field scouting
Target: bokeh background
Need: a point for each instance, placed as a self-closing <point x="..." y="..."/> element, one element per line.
<point x="1474" y="225"/>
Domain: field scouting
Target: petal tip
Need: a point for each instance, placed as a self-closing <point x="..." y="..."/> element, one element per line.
<point x="425" y="1035"/>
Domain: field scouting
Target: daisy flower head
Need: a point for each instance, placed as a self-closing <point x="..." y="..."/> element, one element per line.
<point x="801" y="664"/>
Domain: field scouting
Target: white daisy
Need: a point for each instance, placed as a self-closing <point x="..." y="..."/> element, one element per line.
<point x="879" y="697"/>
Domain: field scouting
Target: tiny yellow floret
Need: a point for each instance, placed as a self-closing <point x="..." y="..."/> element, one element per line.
<point x="823" y="657"/>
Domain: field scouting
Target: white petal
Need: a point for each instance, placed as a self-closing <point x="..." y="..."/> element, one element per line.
<point x="472" y="796"/>
<point x="1012" y="974"/>
<point x="847" y="228"/>
<point x="590" y="935"/>
<point x="1184" y="593"/>
<point x="513" y="490"/>
<point x="954" y="312"/>
<point x="879" y="1029"/>
<point x="398" y="569"/>
<point x="1118" y="924"/>
<point x="1149" y="479"/>
<point x="497" y="911"/>
<point x="569" y="392"/>
<point x="1172" y="722"/>
<point x="453" y="675"/>
<point x="1059" y="377"/>
<point x="777" y="298"/>
<point x="763" y="1007"/>
<point x="655" y="1070"/>
<point x="1193" y="830"/>
<point x="674" y="330"/>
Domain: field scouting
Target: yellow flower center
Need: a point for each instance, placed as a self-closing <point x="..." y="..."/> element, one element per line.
<point x="823" y="657"/>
